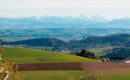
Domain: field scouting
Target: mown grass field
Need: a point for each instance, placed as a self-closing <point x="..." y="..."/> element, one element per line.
<point x="51" y="75"/>
<point x="114" y="74"/>
<point x="101" y="50"/>
<point x="63" y="75"/>
<point x="118" y="77"/>
<point x="23" y="55"/>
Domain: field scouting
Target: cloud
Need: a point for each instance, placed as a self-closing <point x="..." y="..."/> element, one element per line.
<point x="64" y="7"/>
<point x="65" y="4"/>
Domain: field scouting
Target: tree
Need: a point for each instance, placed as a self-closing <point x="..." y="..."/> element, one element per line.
<point x="7" y="68"/>
<point x="87" y="54"/>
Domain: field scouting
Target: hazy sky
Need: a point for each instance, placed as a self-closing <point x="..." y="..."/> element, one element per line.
<point x="26" y="8"/>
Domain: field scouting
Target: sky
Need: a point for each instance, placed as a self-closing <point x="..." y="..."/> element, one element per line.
<point x="109" y="9"/>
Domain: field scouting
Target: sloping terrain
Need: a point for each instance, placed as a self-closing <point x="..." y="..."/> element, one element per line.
<point x="46" y="42"/>
<point x="23" y="55"/>
<point x="87" y="42"/>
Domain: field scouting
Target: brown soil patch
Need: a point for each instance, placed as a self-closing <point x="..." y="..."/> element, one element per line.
<point x="50" y="66"/>
<point x="107" y="69"/>
<point x="103" y="66"/>
<point x="111" y="72"/>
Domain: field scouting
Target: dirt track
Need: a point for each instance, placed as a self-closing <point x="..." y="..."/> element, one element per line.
<point x="73" y="66"/>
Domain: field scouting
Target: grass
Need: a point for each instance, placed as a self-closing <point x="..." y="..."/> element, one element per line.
<point x="66" y="75"/>
<point x="51" y="75"/>
<point x="24" y="55"/>
<point x="114" y="74"/>
<point x="118" y="77"/>
<point x="101" y="50"/>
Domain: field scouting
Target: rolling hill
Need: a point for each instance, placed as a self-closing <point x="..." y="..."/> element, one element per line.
<point x="24" y="55"/>
<point x="103" y="41"/>
<point x="55" y="44"/>
<point x="118" y="53"/>
<point x="46" y="42"/>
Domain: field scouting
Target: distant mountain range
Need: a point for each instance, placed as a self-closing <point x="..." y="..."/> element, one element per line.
<point x="61" y="27"/>
<point x="62" y="22"/>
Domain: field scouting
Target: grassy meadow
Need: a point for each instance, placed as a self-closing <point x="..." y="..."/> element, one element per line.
<point x="51" y="75"/>
<point x="64" y="75"/>
<point x="101" y="50"/>
<point x="117" y="77"/>
<point x="114" y="74"/>
<point x="24" y="55"/>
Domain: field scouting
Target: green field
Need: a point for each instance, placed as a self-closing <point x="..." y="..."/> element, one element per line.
<point x="114" y="74"/>
<point x="119" y="77"/>
<point x="63" y="75"/>
<point x="24" y="55"/>
<point x="101" y="50"/>
<point x="51" y="75"/>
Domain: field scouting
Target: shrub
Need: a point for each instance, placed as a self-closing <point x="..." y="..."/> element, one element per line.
<point x="7" y="68"/>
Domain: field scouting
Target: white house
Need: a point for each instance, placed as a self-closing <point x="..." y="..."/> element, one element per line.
<point x="127" y="60"/>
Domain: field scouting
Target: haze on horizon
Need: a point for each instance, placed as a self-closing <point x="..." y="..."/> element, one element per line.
<point x="109" y="9"/>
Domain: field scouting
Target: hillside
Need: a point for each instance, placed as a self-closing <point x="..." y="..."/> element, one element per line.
<point x="103" y="41"/>
<point x="122" y="40"/>
<point x="119" y="53"/>
<point x="23" y="55"/>
<point x="101" y="51"/>
<point x="46" y="42"/>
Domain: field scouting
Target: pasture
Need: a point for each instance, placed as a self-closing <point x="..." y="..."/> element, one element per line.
<point x="24" y="55"/>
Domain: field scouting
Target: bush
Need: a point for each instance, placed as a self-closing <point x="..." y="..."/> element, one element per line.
<point x="7" y="68"/>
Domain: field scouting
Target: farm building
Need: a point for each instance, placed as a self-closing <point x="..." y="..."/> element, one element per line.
<point x="127" y="60"/>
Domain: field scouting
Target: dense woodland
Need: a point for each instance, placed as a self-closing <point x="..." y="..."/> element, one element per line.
<point x="104" y="41"/>
<point x="118" y="53"/>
